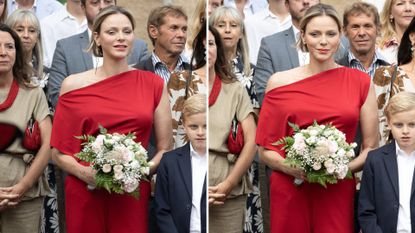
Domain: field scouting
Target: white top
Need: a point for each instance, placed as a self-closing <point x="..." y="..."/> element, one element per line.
<point x="41" y="8"/>
<point x="406" y="164"/>
<point x="57" y="26"/>
<point x="251" y="6"/>
<point x="97" y="61"/>
<point x="303" y="57"/>
<point x="199" y="167"/>
<point x="261" y="24"/>
<point x="390" y="53"/>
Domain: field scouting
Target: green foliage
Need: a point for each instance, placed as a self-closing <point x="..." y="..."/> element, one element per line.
<point x="321" y="177"/>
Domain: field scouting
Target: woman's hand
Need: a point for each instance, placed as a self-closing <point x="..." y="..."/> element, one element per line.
<point x="7" y="199"/>
<point x="86" y="174"/>
<point x="215" y="197"/>
<point x="293" y="171"/>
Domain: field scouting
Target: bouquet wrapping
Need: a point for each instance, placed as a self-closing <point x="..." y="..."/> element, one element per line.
<point x="120" y="162"/>
<point x="321" y="151"/>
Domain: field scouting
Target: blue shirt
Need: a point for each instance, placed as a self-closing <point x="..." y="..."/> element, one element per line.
<point x="161" y="69"/>
<point x="378" y="60"/>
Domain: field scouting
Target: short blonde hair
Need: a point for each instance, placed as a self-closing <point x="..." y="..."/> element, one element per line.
<point x="402" y="102"/>
<point x="195" y="104"/>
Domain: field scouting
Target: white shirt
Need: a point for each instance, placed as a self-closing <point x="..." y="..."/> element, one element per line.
<point x="251" y="7"/>
<point x="303" y="57"/>
<point x="406" y="164"/>
<point x="41" y="8"/>
<point x="97" y="61"/>
<point x="57" y="26"/>
<point x="261" y="24"/>
<point x="199" y="166"/>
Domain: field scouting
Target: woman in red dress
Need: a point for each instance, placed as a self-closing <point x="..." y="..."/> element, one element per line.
<point x="122" y="100"/>
<point x="328" y="93"/>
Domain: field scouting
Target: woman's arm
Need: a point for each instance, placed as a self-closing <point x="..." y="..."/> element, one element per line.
<point x="71" y="166"/>
<point x="369" y="123"/>
<point x="163" y="130"/>
<point x="245" y="158"/>
<point x="39" y="163"/>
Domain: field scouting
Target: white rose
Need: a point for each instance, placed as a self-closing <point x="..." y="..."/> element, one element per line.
<point x="342" y="172"/>
<point x="106" y="168"/>
<point x="311" y="140"/>
<point x="333" y="147"/>
<point x="316" y="166"/>
<point x="130" y="186"/>
<point x="313" y="132"/>
<point x="328" y="164"/>
<point x="350" y="154"/>
<point x="118" y="175"/>
<point x="145" y="170"/>
<point x="341" y="152"/>
<point x="118" y="168"/>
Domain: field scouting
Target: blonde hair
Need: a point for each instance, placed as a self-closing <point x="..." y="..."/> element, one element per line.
<point x="402" y="102"/>
<point x="242" y="46"/>
<point x="195" y="104"/>
<point x="19" y="16"/>
<point x="197" y="22"/>
<point x="316" y="11"/>
<point x="99" y="19"/>
<point x="387" y="29"/>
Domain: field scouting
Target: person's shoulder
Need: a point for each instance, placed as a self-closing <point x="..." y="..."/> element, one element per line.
<point x="283" y="78"/>
<point x="172" y="155"/>
<point x="72" y="40"/>
<point x="75" y="81"/>
<point x="140" y="42"/>
<point x="278" y="35"/>
<point x="376" y="155"/>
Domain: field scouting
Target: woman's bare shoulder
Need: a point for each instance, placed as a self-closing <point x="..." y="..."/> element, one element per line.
<point x="283" y="78"/>
<point x="75" y="81"/>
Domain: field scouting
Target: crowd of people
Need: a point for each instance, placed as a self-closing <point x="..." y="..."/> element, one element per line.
<point x="208" y="99"/>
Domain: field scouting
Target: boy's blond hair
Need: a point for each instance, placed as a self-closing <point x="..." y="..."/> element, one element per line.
<point x="195" y="104"/>
<point x="402" y="102"/>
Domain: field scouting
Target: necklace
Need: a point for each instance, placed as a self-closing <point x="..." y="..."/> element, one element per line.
<point x="14" y="89"/>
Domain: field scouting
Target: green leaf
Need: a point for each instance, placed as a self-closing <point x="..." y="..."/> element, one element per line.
<point x="102" y="130"/>
<point x="294" y="126"/>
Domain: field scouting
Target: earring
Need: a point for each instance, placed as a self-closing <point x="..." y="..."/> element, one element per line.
<point x="391" y="19"/>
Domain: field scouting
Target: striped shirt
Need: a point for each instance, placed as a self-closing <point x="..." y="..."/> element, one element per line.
<point x="161" y="69"/>
<point x="378" y="60"/>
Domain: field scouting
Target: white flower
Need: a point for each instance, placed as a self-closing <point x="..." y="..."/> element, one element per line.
<point x="311" y="140"/>
<point x="341" y="152"/>
<point x="97" y="144"/>
<point x="350" y="154"/>
<point x="313" y="132"/>
<point x="342" y="172"/>
<point x="333" y="147"/>
<point x="329" y="166"/>
<point x="118" y="168"/>
<point x="145" y="170"/>
<point x="130" y="186"/>
<point x="316" y="166"/>
<point x="118" y="175"/>
<point x="106" y="168"/>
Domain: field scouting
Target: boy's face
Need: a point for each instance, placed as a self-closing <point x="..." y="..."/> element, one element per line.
<point x="403" y="130"/>
<point x="195" y="128"/>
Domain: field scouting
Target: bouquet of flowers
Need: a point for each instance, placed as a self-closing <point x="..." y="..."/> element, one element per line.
<point x="120" y="162"/>
<point x="321" y="151"/>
